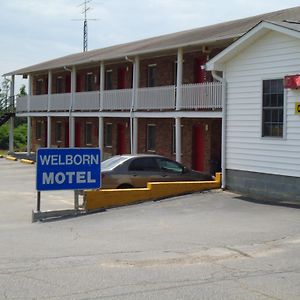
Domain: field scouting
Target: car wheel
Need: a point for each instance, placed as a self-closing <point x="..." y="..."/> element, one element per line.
<point x="125" y="186"/>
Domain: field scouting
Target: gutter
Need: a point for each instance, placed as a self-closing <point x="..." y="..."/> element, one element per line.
<point x="224" y="122"/>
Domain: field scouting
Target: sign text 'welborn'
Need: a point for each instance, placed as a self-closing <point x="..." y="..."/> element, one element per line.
<point x="68" y="169"/>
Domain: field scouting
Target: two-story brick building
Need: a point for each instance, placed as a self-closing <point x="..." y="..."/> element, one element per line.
<point x="147" y="96"/>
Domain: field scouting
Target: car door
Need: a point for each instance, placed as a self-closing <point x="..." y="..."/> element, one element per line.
<point x="143" y="170"/>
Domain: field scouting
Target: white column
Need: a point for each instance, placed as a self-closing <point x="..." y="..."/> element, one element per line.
<point x="28" y="118"/>
<point x="135" y="135"/>
<point x="49" y="132"/>
<point x="179" y="78"/>
<point x="49" y="106"/>
<point x="178" y="138"/>
<point x="102" y="76"/>
<point x="101" y="135"/>
<point x="71" y="118"/>
<point x="29" y="92"/>
<point x="135" y="86"/>
<point x="28" y="135"/>
<point x="49" y="89"/>
<point x="12" y="119"/>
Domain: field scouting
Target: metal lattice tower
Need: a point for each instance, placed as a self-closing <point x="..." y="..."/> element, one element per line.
<point x="86" y="8"/>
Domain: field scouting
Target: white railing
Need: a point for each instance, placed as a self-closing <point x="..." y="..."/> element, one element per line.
<point x="156" y="98"/>
<point x="38" y="103"/>
<point x="87" y="101"/>
<point x="60" y="102"/>
<point x="117" y="99"/>
<point x="202" y="95"/>
<point x="193" y="96"/>
<point x="21" y="105"/>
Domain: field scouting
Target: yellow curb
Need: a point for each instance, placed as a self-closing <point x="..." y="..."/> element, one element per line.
<point x="102" y="199"/>
<point x="11" y="158"/>
<point x="27" y="161"/>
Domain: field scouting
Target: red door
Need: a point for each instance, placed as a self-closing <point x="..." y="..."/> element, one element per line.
<point x="77" y="134"/>
<point x="121" y="139"/>
<point x="121" y="78"/>
<point x="200" y="70"/>
<point x="198" y="148"/>
<point x="67" y="141"/>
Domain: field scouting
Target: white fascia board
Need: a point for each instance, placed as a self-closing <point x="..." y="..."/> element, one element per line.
<point x="217" y="63"/>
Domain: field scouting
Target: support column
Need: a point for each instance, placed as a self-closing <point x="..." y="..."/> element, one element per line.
<point x="49" y="108"/>
<point x="12" y="119"/>
<point x="179" y="78"/>
<point x="28" y="135"/>
<point x="71" y="118"/>
<point x="178" y="138"/>
<point x="29" y="118"/>
<point x="133" y="123"/>
<point x="102" y="76"/>
<point x="135" y="135"/>
<point x="100" y="135"/>
<point x="49" y="132"/>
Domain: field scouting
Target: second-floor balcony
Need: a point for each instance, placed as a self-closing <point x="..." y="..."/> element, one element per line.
<point x="204" y="96"/>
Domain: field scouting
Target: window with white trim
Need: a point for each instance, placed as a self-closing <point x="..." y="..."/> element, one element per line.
<point x="273" y="108"/>
<point x="151" y="76"/>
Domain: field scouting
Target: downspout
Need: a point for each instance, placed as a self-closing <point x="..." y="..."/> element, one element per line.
<point x="224" y="122"/>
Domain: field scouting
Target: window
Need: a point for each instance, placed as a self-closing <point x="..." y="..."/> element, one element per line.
<point x="108" y="135"/>
<point x="89" y="77"/>
<point x="151" y="75"/>
<point x="151" y="128"/>
<point x="169" y="166"/>
<point x="272" y="113"/>
<point x="38" y="130"/>
<point x="108" y="80"/>
<point x="88" y="133"/>
<point x="144" y="164"/>
<point x="59" y="84"/>
<point x="58" y="133"/>
<point x="39" y="86"/>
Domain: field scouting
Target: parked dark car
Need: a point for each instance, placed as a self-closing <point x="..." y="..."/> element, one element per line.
<point x="135" y="171"/>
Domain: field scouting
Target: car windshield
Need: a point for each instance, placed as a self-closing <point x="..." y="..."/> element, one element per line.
<point x="112" y="162"/>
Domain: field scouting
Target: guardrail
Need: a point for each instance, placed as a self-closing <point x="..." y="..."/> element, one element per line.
<point x="206" y="96"/>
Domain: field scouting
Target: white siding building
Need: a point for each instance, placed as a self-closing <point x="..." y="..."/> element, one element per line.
<point x="261" y="136"/>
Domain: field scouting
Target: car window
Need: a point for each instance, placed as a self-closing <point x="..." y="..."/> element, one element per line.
<point x="112" y="162"/>
<point x="168" y="165"/>
<point x="143" y="164"/>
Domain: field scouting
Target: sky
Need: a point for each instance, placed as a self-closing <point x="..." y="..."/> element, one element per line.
<point x="33" y="31"/>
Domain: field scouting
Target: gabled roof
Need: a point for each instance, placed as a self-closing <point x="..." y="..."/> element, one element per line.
<point x="227" y="31"/>
<point x="291" y="28"/>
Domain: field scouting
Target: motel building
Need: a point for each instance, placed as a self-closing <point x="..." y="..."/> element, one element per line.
<point x="148" y="96"/>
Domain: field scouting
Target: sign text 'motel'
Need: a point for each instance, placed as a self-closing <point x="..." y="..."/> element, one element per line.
<point x="68" y="169"/>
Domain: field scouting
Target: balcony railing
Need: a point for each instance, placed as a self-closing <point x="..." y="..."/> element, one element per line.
<point x="205" y="96"/>
<point x="117" y="99"/>
<point x="156" y="98"/>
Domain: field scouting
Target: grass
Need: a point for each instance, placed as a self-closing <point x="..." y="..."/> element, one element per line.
<point x="3" y="152"/>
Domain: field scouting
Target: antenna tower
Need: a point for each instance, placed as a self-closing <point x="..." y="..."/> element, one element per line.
<point x="85" y="9"/>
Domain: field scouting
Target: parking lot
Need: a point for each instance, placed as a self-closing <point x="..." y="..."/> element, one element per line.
<point x="210" y="245"/>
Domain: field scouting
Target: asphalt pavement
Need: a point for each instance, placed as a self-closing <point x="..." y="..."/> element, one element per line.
<point x="210" y="245"/>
